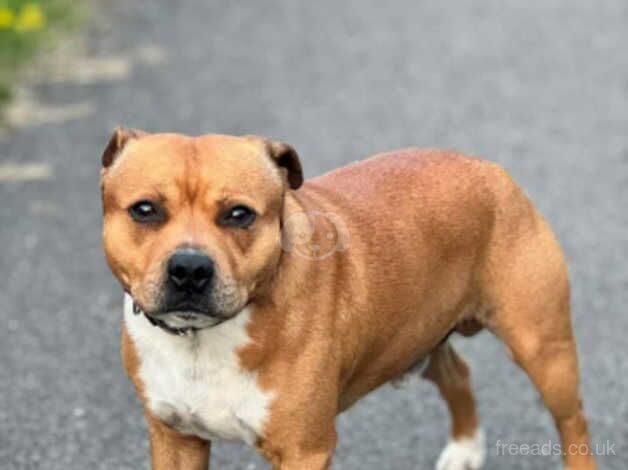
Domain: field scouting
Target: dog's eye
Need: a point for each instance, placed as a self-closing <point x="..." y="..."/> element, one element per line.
<point x="146" y="212"/>
<point x="238" y="217"/>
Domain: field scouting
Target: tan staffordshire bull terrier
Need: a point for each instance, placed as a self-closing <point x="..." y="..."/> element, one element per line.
<point x="258" y="307"/>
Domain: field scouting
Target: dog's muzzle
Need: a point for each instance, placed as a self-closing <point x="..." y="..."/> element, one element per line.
<point x="179" y="323"/>
<point x="189" y="280"/>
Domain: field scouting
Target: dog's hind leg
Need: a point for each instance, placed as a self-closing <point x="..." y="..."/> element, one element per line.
<point x="531" y="313"/>
<point x="546" y="351"/>
<point x="448" y="371"/>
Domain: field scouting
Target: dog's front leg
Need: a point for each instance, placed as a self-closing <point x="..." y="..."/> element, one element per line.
<point x="299" y="453"/>
<point x="171" y="450"/>
<point x="317" y="461"/>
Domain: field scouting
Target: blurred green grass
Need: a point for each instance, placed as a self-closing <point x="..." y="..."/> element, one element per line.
<point x="28" y="27"/>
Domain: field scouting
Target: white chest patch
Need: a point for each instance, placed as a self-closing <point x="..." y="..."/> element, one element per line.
<point x="195" y="383"/>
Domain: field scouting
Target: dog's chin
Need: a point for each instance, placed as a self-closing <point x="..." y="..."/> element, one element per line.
<point x="180" y="318"/>
<point x="189" y="319"/>
<point x="184" y="316"/>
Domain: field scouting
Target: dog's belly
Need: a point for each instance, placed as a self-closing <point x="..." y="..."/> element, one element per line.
<point x="195" y="384"/>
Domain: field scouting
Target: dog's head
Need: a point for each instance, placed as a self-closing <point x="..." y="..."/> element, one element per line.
<point x="192" y="226"/>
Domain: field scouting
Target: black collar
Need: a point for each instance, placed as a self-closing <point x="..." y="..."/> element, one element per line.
<point x="185" y="331"/>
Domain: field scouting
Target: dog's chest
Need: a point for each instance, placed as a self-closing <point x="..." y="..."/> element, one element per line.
<point x="195" y="384"/>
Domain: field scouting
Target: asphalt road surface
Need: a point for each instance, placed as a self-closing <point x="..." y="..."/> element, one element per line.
<point x="539" y="87"/>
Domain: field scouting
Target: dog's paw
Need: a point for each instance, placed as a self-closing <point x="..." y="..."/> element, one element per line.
<point x="468" y="453"/>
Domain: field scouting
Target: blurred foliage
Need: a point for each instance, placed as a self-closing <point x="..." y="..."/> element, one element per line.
<point x="26" y="27"/>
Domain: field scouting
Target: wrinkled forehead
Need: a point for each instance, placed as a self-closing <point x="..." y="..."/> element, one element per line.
<point x="177" y="167"/>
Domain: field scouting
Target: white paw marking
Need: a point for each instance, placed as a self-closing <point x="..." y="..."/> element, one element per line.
<point x="468" y="453"/>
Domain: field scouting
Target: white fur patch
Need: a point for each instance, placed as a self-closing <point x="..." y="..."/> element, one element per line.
<point x="195" y="383"/>
<point x="413" y="374"/>
<point x="468" y="453"/>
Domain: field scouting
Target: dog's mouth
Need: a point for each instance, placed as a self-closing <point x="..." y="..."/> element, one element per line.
<point x="187" y="316"/>
<point x="184" y="311"/>
<point x="181" y="319"/>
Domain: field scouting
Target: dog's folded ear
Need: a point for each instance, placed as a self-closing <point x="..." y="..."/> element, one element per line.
<point x="286" y="157"/>
<point x="118" y="140"/>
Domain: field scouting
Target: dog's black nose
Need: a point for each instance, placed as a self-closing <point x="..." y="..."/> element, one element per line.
<point x="190" y="270"/>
